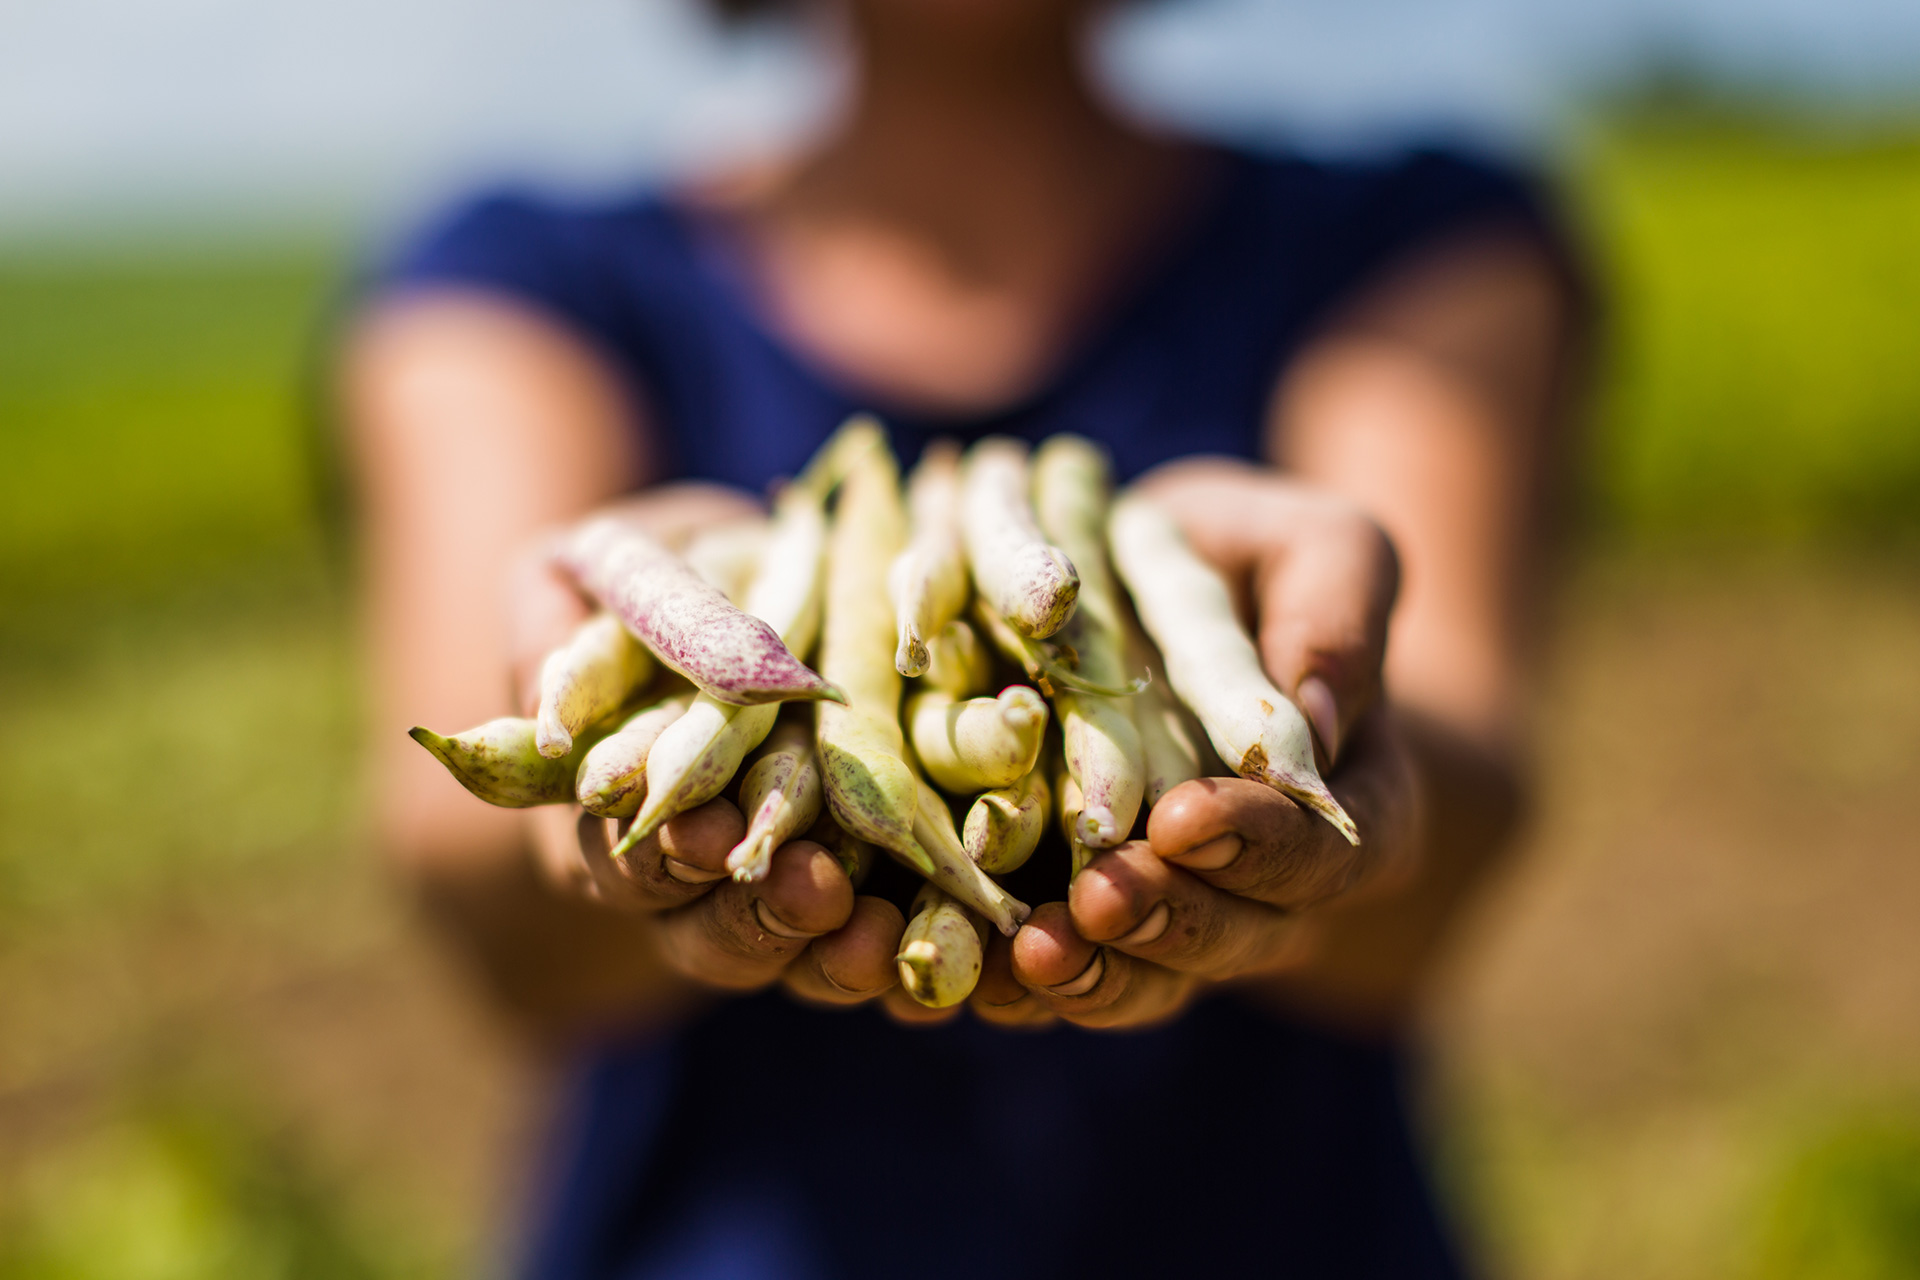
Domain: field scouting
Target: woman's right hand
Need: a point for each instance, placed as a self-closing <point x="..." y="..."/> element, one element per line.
<point x="803" y="925"/>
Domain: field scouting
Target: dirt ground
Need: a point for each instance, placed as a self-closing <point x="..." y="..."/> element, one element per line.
<point x="1707" y="957"/>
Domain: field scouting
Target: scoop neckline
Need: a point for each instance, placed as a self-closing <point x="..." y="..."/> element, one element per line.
<point x="722" y="268"/>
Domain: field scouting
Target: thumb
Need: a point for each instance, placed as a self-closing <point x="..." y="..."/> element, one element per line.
<point x="1322" y="596"/>
<point x="1323" y="576"/>
<point x="543" y="608"/>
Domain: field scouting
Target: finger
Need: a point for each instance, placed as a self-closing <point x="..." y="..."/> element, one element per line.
<point x="1323" y="603"/>
<point x="999" y="997"/>
<point x="671" y="512"/>
<point x="907" y="1011"/>
<point x="684" y="860"/>
<point x="1132" y="901"/>
<point x="1323" y="576"/>
<point x="1248" y="839"/>
<point x="741" y="936"/>
<point x="555" y="833"/>
<point x="1090" y="985"/>
<point x="854" y="963"/>
<point x="543" y="610"/>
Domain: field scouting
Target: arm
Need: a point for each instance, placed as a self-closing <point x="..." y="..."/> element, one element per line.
<point x="1438" y="403"/>
<point x="475" y="425"/>
<point x="1426" y="411"/>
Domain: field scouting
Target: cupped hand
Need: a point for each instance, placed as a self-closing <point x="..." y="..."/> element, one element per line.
<point x="1229" y="880"/>
<point x="802" y="925"/>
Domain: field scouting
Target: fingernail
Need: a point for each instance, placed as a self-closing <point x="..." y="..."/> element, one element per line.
<point x="1316" y="699"/>
<point x="846" y="990"/>
<point x="1089" y="977"/>
<point x="687" y="873"/>
<point x="773" y="924"/>
<point x="1214" y="855"/>
<point x="1147" y="930"/>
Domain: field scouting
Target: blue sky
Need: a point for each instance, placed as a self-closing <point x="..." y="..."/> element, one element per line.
<point x="130" y="111"/>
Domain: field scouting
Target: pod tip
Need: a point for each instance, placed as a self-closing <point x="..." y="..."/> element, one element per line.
<point x="1304" y="789"/>
<point x="911" y="658"/>
<point x="1098" y="828"/>
<point x="1321" y="801"/>
<point x="634" y="834"/>
<point x="440" y="746"/>
<point x="1020" y="713"/>
<point x="1009" y="913"/>
<point x="551" y="739"/>
<point x="752" y="858"/>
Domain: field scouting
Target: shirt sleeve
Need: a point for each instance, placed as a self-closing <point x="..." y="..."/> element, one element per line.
<point x="1390" y="213"/>
<point x="521" y="248"/>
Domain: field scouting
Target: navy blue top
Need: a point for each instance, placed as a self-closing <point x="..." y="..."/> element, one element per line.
<point x="770" y="1140"/>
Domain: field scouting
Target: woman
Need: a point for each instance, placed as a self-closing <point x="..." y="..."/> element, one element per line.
<point x="1373" y="357"/>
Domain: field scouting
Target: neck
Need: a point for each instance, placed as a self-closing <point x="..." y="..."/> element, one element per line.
<point x="969" y="107"/>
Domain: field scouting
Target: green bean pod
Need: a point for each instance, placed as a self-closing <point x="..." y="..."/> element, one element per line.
<point x="978" y="743"/>
<point x="501" y="763"/>
<point x="1073" y="488"/>
<point x="781" y="796"/>
<point x="612" y="780"/>
<point x="587" y="679"/>
<point x="928" y="580"/>
<point x="1004" y="826"/>
<point x="941" y="951"/>
<point x="958" y="664"/>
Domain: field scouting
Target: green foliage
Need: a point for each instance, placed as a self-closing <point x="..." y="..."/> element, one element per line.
<point x="188" y="1189"/>
<point x="151" y="414"/>
<point x="1762" y="377"/>
<point x="181" y="735"/>
<point x="1847" y="1206"/>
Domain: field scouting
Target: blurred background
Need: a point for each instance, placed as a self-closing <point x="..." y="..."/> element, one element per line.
<point x="1683" y="1039"/>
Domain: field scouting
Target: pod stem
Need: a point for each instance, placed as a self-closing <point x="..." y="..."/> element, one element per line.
<point x="918" y="959"/>
<point x="1049" y="665"/>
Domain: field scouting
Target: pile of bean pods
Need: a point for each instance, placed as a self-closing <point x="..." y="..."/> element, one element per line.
<point x="908" y="602"/>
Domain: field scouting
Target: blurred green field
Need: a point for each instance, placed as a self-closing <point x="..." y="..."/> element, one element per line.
<point x="1682" y="1046"/>
<point x="1760" y="379"/>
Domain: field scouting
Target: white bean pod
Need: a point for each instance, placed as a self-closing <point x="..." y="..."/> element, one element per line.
<point x="1211" y="661"/>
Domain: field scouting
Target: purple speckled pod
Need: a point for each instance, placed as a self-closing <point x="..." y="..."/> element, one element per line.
<point x="689" y="625"/>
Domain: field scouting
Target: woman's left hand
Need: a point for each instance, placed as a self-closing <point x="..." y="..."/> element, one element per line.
<point x="1227" y="882"/>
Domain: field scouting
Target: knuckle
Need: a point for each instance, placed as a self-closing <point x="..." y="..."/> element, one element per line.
<point x="1222" y="941"/>
<point x="1300" y="873"/>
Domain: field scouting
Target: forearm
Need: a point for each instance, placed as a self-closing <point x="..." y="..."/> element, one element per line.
<point x="1438" y="404"/>
<point x="1375" y="956"/>
<point x="554" y="965"/>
